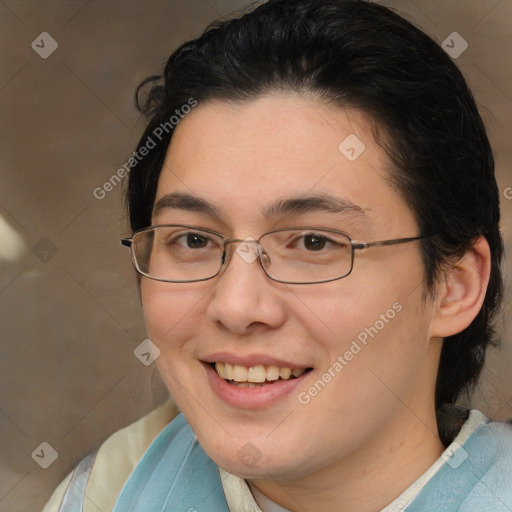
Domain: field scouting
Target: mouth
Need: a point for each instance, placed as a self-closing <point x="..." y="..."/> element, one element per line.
<point x="256" y="376"/>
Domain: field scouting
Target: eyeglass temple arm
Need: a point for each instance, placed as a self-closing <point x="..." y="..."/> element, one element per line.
<point x="381" y="243"/>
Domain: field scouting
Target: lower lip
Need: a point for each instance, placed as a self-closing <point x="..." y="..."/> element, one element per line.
<point x="252" y="398"/>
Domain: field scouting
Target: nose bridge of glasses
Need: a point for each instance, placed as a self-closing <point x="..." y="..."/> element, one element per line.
<point x="248" y="239"/>
<point x="249" y="248"/>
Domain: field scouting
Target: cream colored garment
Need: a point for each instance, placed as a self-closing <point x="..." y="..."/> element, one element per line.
<point x="237" y="493"/>
<point x="245" y="497"/>
<point x="115" y="461"/>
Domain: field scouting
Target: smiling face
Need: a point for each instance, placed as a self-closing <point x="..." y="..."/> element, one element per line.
<point x="360" y="346"/>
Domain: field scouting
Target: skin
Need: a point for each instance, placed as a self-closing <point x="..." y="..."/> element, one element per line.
<point x="371" y="431"/>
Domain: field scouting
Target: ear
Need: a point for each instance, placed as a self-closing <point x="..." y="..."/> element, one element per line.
<point x="461" y="294"/>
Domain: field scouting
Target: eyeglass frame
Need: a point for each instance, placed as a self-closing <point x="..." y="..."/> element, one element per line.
<point x="354" y="246"/>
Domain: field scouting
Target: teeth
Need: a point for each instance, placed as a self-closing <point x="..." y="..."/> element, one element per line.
<point x="285" y="373"/>
<point x="240" y="373"/>
<point x="219" y="367"/>
<point x="228" y="371"/>
<point x="272" y="372"/>
<point x="255" y="374"/>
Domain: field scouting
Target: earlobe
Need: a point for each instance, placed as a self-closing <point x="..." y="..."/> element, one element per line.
<point x="462" y="292"/>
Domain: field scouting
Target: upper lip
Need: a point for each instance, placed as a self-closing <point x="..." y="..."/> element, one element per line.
<point x="251" y="360"/>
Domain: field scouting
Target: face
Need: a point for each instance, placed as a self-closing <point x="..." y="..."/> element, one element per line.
<point x="360" y="345"/>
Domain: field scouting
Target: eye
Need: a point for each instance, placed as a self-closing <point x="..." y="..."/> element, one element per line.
<point x="183" y="240"/>
<point x="314" y="242"/>
<point x="195" y="240"/>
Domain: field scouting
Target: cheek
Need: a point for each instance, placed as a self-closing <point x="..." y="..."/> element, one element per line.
<point x="159" y="313"/>
<point x="347" y="311"/>
<point x="172" y="317"/>
<point x="369" y="331"/>
<point x="170" y="313"/>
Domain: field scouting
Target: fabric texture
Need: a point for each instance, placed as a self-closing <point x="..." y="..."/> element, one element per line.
<point x="78" y="482"/>
<point x="174" y="475"/>
<point x="115" y="461"/>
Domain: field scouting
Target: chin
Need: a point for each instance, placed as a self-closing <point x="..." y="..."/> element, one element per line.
<point x="253" y="456"/>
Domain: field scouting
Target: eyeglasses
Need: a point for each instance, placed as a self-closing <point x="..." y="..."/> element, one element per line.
<point x="186" y="254"/>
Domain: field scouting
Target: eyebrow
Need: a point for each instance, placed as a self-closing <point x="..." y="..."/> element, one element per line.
<point x="312" y="203"/>
<point x="181" y="201"/>
<point x="289" y="206"/>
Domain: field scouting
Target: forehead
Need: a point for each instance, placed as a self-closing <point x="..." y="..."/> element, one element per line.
<point x="245" y="157"/>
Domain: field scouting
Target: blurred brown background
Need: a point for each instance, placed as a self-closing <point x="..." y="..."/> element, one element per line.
<point x="69" y="309"/>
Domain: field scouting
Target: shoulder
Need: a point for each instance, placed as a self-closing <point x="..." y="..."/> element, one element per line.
<point x="474" y="473"/>
<point x="491" y="446"/>
<point x="114" y="462"/>
<point x="486" y="444"/>
<point x="486" y="467"/>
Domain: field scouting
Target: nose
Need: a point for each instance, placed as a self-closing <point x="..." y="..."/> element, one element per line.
<point x="244" y="298"/>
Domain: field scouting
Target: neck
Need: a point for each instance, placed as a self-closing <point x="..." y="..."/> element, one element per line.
<point x="368" y="479"/>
